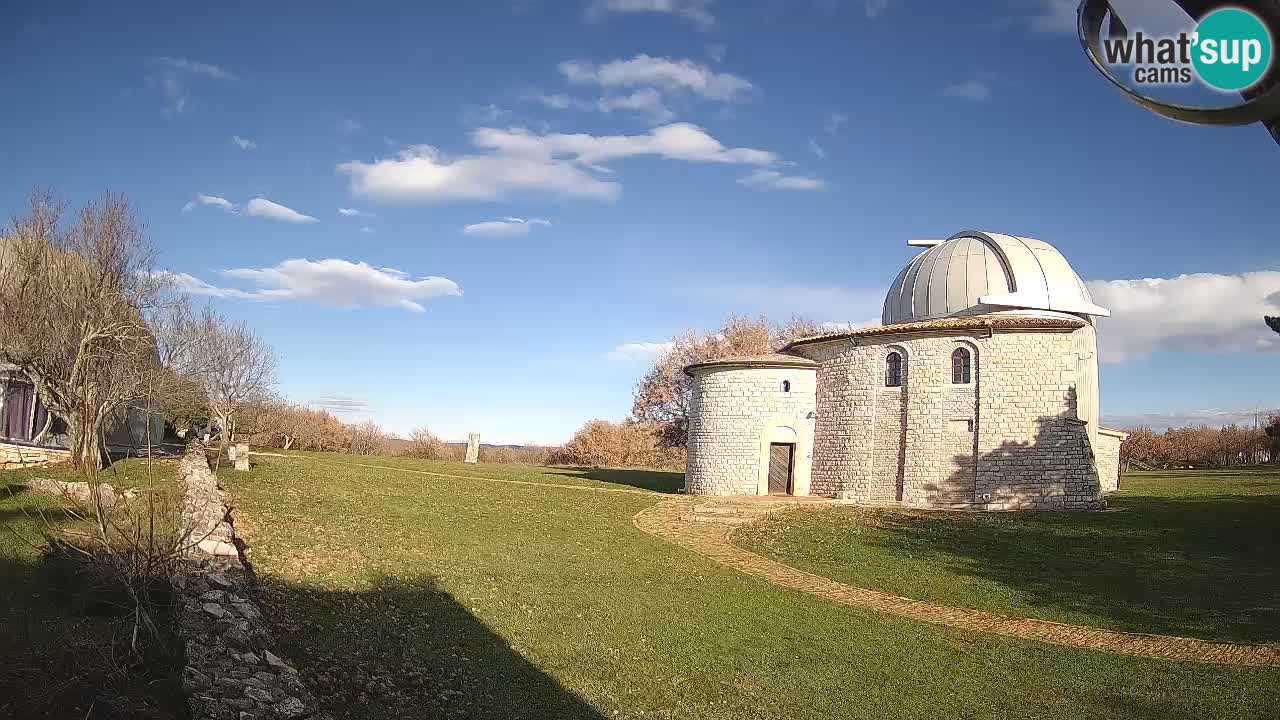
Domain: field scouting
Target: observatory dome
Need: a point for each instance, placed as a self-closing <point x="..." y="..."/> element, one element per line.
<point x="973" y="272"/>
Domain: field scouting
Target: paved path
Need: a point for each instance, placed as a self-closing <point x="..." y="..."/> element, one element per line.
<point x="704" y="525"/>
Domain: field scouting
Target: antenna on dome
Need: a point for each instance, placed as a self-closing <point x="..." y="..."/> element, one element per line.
<point x="925" y="242"/>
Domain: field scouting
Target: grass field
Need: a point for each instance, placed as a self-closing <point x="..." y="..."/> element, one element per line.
<point x="1183" y="553"/>
<point x="407" y="594"/>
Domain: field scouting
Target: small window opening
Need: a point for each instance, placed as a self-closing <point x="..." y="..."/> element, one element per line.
<point x="961" y="366"/>
<point x="893" y="370"/>
<point x="786" y="386"/>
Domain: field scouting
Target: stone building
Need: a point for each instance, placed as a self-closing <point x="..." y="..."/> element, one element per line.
<point x="978" y="391"/>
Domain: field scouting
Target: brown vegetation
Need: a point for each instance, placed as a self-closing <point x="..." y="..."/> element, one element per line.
<point x="601" y="443"/>
<point x="662" y="395"/>
<point x="1202" y="446"/>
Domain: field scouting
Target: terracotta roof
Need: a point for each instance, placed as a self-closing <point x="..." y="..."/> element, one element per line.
<point x="971" y="322"/>
<point x="777" y="360"/>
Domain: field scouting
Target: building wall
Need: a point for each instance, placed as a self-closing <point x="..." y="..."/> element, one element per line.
<point x="1010" y="439"/>
<point x="735" y="414"/>
<point x="1109" y="442"/>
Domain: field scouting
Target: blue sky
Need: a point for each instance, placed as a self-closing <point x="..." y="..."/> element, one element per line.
<point x="673" y="162"/>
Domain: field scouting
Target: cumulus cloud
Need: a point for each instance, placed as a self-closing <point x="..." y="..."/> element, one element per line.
<point x="214" y="200"/>
<point x="695" y="11"/>
<point x="333" y="282"/>
<point x="352" y="212"/>
<point x="637" y="351"/>
<point x="774" y="180"/>
<point x="666" y="73"/>
<point x="172" y="78"/>
<point x="243" y="143"/>
<point x="263" y="208"/>
<point x="504" y="227"/>
<point x="518" y="160"/>
<point x="1196" y="312"/>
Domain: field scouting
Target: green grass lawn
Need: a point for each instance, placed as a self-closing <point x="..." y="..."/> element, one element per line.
<point x="1184" y="553"/>
<point x="56" y="659"/>
<point x="402" y="594"/>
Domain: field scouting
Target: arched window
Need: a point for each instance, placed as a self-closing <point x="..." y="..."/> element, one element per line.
<point x="893" y="370"/>
<point x="786" y="386"/>
<point x="961" y="366"/>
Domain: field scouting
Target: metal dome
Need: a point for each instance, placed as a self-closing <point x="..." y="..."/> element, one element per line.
<point x="974" y="271"/>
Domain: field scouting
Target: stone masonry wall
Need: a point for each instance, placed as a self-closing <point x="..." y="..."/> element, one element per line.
<point x="1109" y="459"/>
<point x="1007" y="440"/>
<point x="732" y="410"/>
<point x="233" y="671"/>
<point x="14" y="456"/>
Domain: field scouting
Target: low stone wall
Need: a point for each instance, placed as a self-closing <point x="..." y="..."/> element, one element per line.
<point x="233" y="671"/>
<point x="79" y="492"/>
<point x="14" y="456"/>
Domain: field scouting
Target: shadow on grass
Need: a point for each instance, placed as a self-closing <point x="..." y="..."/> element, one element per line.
<point x="660" y="481"/>
<point x="1201" y="566"/>
<point x="407" y="648"/>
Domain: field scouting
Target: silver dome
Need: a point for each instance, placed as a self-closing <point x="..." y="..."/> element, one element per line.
<point x="973" y="272"/>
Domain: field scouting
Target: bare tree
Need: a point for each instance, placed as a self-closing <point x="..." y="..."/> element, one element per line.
<point x="662" y="396"/>
<point x="73" y="298"/>
<point x="230" y="364"/>
<point x="367" y="438"/>
<point x="424" y="445"/>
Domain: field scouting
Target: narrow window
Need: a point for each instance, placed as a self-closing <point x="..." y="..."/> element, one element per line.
<point x="893" y="370"/>
<point x="786" y="386"/>
<point x="961" y="366"/>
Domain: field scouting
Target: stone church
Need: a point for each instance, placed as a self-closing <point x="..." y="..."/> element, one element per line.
<point x="978" y="391"/>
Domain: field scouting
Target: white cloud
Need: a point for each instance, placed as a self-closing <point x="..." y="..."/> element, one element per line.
<point x="519" y="160"/>
<point x="977" y="89"/>
<point x="1200" y="312"/>
<point x="243" y="143"/>
<point x="352" y="212"/>
<point x="834" y="122"/>
<point x="637" y="351"/>
<point x="333" y="281"/>
<point x="214" y="200"/>
<point x="505" y="227"/>
<point x="645" y="100"/>
<point x="774" y="180"/>
<point x="172" y="78"/>
<point x="817" y="149"/>
<point x="263" y="208"/>
<point x="1183" y="418"/>
<point x="665" y="73"/>
<point x="1055" y="16"/>
<point x="342" y="404"/>
<point x="696" y="11"/>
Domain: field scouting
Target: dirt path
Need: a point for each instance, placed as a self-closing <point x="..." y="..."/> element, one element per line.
<point x="704" y="526"/>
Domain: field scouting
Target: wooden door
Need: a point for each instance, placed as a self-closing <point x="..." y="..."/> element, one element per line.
<point x="780" y="463"/>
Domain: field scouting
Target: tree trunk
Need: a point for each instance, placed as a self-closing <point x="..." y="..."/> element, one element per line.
<point x="86" y="445"/>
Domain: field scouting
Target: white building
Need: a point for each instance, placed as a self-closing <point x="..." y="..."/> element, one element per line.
<point x="979" y="391"/>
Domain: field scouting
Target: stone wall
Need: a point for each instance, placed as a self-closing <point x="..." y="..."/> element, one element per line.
<point x="233" y="669"/>
<point x="14" y="456"/>
<point x="1009" y="439"/>
<point x="735" y="413"/>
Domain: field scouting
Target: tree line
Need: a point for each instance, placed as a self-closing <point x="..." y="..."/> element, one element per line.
<point x="1202" y="446"/>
